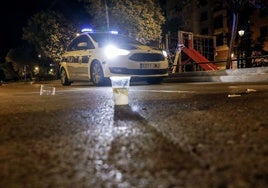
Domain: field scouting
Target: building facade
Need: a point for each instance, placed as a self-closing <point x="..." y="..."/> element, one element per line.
<point x="214" y="18"/>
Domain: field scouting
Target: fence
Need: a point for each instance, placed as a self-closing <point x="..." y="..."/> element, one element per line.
<point x="237" y="63"/>
<point x="206" y="46"/>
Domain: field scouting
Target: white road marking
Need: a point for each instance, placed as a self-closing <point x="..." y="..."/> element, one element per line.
<point x="161" y="91"/>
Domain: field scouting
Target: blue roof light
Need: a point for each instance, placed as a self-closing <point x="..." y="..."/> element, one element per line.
<point x="86" y="30"/>
<point x="114" y="32"/>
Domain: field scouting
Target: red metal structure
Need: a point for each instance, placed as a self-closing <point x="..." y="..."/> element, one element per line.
<point x="200" y="59"/>
<point x="194" y="51"/>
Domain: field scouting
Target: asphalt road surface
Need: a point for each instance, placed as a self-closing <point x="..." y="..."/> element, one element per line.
<point x="189" y="135"/>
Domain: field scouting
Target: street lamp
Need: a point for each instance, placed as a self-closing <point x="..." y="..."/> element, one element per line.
<point x="240" y="52"/>
<point x="241" y="33"/>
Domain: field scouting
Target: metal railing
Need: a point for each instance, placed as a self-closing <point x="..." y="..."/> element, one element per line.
<point x="237" y="63"/>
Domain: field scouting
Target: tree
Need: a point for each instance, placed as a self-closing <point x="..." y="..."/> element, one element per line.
<point x="21" y="59"/>
<point x="176" y="16"/>
<point x="49" y="32"/>
<point x="141" y="19"/>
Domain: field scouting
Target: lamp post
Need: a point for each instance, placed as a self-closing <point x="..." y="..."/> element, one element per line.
<point x="240" y="51"/>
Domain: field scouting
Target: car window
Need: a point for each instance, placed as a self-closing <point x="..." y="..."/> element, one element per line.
<point x="80" y="43"/>
<point x="104" y="38"/>
<point x="85" y="59"/>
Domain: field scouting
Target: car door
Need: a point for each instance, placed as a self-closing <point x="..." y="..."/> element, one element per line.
<point x="79" y="54"/>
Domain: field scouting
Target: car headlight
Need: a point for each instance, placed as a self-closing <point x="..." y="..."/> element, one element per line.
<point x="112" y="51"/>
<point x="164" y="53"/>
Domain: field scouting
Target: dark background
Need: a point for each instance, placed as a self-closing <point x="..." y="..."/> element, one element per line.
<point x="14" y="16"/>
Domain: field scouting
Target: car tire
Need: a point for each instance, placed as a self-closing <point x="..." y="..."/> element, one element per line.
<point x="156" y="80"/>
<point x="96" y="74"/>
<point x="64" y="78"/>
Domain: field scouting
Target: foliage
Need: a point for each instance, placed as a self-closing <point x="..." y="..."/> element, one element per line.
<point x="141" y="19"/>
<point x="49" y="32"/>
<point x="23" y="54"/>
<point x="19" y="58"/>
<point x="7" y="72"/>
<point x="180" y="16"/>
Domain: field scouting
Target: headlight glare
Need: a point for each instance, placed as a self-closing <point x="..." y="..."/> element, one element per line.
<point x="112" y="51"/>
<point x="164" y="53"/>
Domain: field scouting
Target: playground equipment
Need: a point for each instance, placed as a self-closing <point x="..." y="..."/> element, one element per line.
<point x="195" y="50"/>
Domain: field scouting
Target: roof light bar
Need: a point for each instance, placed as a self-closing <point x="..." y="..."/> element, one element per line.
<point x="114" y="32"/>
<point x="86" y="30"/>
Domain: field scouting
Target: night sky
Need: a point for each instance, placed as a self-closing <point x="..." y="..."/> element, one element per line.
<point x="15" y="13"/>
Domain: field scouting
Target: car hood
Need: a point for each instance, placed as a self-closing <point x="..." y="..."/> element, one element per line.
<point x="137" y="47"/>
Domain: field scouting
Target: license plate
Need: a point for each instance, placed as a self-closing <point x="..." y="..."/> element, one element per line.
<point x="149" y="66"/>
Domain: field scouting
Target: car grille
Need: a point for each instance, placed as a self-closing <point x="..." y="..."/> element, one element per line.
<point x="149" y="57"/>
<point x="116" y="70"/>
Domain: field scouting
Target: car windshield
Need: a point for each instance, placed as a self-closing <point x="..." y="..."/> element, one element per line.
<point x="104" y="38"/>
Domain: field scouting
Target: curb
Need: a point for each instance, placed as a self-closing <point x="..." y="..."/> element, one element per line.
<point x="258" y="74"/>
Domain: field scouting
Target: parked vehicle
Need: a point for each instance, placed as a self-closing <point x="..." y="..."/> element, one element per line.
<point x="96" y="56"/>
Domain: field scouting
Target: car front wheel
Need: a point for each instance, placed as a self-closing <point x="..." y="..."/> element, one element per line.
<point x="96" y="74"/>
<point x="64" y="79"/>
